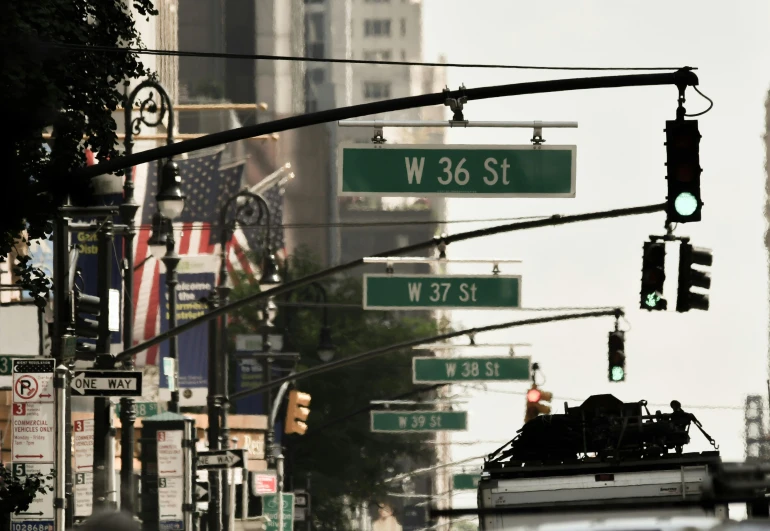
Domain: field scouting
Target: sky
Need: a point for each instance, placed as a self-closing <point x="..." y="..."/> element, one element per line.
<point x="709" y="361"/>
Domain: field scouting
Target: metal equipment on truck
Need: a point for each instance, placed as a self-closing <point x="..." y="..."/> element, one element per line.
<point x="599" y="461"/>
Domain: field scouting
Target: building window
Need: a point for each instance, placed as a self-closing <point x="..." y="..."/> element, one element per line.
<point x="376" y="89"/>
<point x="403" y="27"/>
<point x="375" y="27"/>
<point x="377" y="55"/>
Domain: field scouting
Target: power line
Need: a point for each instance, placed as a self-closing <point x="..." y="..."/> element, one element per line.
<point x="293" y="58"/>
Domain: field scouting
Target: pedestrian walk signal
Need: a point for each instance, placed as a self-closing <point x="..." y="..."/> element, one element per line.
<point x="683" y="203"/>
<point x="653" y="276"/>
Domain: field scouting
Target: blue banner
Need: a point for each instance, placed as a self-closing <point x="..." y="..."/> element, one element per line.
<point x="192" y="345"/>
<point x="88" y="261"/>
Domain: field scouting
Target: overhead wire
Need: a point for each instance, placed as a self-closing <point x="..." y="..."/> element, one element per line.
<point x="294" y="58"/>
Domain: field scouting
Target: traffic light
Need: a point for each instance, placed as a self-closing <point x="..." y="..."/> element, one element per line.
<point x="689" y="278"/>
<point x="297" y="412"/>
<point x="653" y="276"/>
<point x="534" y="407"/>
<point x="683" y="203"/>
<point x="87" y="313"/>
<point x="617" y="356"/>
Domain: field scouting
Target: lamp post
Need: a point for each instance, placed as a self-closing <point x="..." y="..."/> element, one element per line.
<point x="162" y="239"/>
<point x="250" y="209"/>
<point x="151" y="114"/>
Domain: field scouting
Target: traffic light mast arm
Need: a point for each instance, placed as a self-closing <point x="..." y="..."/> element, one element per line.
<point x="358" y="358"/>
<point x="683" y="77"/>
<point x="432" y="243"/>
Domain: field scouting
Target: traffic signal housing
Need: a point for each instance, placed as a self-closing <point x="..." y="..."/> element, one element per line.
<point x="297" y="412"/>
<point x="653" y="276"/>
<point x="87" y="327"/>
<point x="690" y="277"/>
<point x="616" y="371"/>
<point x="534" y="406"/>
<point x="683" y="203"/>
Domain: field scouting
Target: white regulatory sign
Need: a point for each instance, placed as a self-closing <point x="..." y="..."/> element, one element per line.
<point x="170" y="454"/>
<point x="41" y="507"/>
<point x="170" y="501"/>
<point x="84" y="493"/>
<point x="84" y="445"/>
<point x="33" y="432"/>
<point x="33" y="380"/>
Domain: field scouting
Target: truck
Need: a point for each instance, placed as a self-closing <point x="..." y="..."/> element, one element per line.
<point x="600" y="462"/>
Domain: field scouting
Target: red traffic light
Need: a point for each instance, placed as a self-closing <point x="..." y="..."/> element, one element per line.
<point x="533" y="395"/>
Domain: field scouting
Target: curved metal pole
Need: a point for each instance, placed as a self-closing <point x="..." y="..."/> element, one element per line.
<point x="218" y="353"/>
<point x="128" y="213"/>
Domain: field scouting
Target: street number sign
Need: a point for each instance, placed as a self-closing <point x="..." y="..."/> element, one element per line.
<point x="420" y="292"/>
<point x="107" y="383"/>
<point x="41" y="507"/>
<point x="419" y="421"/>
<point x="422" y="170"/>
<point x="441" y="370"/>
<point x="221" y="459"/>
<point x="465" y="481"/>
<point x="34" y="429"/>
<point x="142" y="409"/>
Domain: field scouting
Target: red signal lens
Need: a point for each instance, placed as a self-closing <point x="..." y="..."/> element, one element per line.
<point x="533" y="395"/>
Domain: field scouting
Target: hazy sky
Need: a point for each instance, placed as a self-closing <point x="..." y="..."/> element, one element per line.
<point x="709" y="358"/>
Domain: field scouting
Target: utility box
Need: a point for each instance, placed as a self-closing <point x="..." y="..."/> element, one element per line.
<point x="168" y="469"/>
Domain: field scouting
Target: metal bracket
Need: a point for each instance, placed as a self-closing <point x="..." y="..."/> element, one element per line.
<point x="537" y="134"/>
<point x="456" y="104"/>
<point x="441" y="246"/>
<point x="495" y="269"/>
<point x="389" y="268"/>
<point x="379" y="136"/>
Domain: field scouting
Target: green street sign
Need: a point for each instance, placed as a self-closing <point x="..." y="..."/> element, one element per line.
<point x="419" y="421"/>
<point x="465" y="481"/>
<point x="270" y="509"/>
<point x="6" y="365"/>
<point x="441" y="370"/>
<point x="456" y="170"/>
<point x="142" y="409"/>
<point x="425" y="292"/>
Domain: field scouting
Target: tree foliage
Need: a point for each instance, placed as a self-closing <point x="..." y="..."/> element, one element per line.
<point x="348" y="464"/>
<point x="16" y="495"/>
<point x="73" y="91"/>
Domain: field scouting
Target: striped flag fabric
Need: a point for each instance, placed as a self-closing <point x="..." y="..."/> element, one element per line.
<point x="207" y="186"/>
<point x="255" y="236"/>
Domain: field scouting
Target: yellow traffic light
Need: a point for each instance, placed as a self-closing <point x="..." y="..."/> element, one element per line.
<point x="534" y="407"/>
<point x="297" y="412"/>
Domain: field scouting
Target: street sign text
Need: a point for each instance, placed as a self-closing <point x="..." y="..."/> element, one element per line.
<point x="417" y="421"/>
<point x="440" y="370"/>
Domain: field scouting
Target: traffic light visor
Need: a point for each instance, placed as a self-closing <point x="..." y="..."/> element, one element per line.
<point x="533" y="395"/>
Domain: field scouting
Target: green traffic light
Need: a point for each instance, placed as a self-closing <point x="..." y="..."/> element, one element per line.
<point x="685" y="204"/>
<point x="652" y="300"/>
<point x="617" y="374"/>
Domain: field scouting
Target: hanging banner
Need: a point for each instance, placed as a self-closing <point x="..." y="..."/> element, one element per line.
<point x="196" y="279"/>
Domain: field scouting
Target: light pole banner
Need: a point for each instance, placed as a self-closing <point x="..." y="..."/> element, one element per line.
<point x="194" y="285"/>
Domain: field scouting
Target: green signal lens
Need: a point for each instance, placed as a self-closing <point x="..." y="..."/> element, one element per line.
<point x="652" y="300"/>
<point x="617" y="374"/>
<point x="685" y="204"/>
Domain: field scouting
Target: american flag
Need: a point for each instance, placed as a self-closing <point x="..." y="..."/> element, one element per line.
<point x="207" y="186"/>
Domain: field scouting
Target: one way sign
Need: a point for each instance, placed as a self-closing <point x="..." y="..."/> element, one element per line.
<point x="107" y="383"/>
<point x="221" y="459"/>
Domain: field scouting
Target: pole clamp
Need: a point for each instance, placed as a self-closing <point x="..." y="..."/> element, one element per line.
<point x="59" y="503"/>
<point x="456" y="104"/>
<point x="379" y="136"/>
<point x="537" y="134"/>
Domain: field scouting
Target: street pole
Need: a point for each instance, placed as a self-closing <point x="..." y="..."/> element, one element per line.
<point x="103" y="469"/>
<point x="276" y="452"/>
<point x="64" y="328"/>
<point x="171" y="261"/>
<point x="128" y="214"/>
<point x="60" y="384"/>
<point x="214" y="416"/>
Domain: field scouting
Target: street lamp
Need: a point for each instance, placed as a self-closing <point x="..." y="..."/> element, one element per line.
<point x="170" y="197"/>
<point x="159" y="236"/>
<point x="250" y="209"/>
<point x="151" y="114"/>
